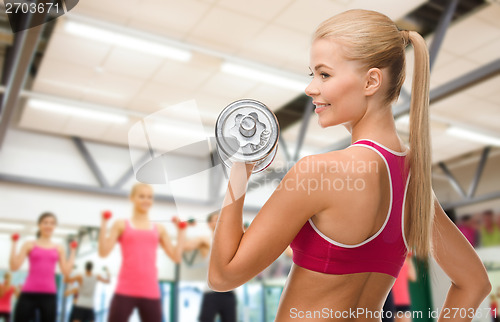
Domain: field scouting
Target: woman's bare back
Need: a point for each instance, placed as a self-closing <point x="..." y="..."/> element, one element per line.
<point x="355" y="217"/>
<point x="314" y="296"/>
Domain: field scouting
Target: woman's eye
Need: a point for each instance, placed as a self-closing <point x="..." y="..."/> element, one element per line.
<point x="324" y="75"/>
<point x="311" y="74"/>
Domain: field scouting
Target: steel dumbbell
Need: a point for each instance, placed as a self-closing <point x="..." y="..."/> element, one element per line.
<point x="247" y="131"/>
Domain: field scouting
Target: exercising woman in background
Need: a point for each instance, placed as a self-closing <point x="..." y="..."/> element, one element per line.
<point x="351" y="236"/>
<point x="401" y="290"/>
<point x="213" y="304"/>
<point x="6" y="292"/>
<point x="138" y="278"/>
<point x="83" y="308"/>
<point x="39" y="290"/>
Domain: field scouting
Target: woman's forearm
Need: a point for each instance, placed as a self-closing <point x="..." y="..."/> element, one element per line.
<point x="179" y="248"/>
<point x="229" y="229"/>
<point x="70" y="262"/>
<point x="461" y="303"/>
<point x="103" y="248"/>
<point x="13" y="260"/>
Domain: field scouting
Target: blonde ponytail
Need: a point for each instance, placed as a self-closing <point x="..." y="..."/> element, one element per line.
<point x="419" y="194"/>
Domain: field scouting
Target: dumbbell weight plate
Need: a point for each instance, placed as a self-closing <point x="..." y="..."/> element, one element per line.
<point x="247" y="131"/>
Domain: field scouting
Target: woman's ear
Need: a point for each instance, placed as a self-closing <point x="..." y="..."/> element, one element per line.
<point x="373" y="81"/>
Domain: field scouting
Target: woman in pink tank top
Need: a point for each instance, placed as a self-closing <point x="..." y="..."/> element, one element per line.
<point x="351" y="215"/>
<point x="7" y="290"/>
<point x="401" y="290"/>
<point x="39" y="290"/>
<point x="139" y="239"/>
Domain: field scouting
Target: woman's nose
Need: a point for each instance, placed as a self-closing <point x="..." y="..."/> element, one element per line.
<point x="311" y="89"/>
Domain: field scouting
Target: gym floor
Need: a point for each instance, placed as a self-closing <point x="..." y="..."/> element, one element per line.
<point x="94" y="98"/>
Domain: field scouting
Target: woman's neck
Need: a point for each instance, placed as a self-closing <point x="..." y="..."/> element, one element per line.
<point x="44" y="239"/>
<point x="139" y="216"/>
<point x="377" y="124"/>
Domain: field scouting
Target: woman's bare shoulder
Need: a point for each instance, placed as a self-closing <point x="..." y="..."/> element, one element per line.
<point x="353" y="161"/>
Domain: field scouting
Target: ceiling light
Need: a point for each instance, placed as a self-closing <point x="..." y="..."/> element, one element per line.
<point x="263" y="76"/>
<point x="77" y="111"/>
<point x="472" y="136"/>
<point x="125" y="41"/>
<point x="86" y="89"/>
<point x="9" y="226"/>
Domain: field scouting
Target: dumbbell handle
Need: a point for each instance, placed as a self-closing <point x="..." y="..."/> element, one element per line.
<point x="248" y="126"/>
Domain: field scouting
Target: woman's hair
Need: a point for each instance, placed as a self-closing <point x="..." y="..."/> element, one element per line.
<point x="42" y="218"/>
<point x="211" y="215"/>
<point x="374" y="40"/>
<point x="136" y="187"/>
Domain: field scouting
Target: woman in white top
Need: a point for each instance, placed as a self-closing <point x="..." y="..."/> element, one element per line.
<point x="83" y="310"/>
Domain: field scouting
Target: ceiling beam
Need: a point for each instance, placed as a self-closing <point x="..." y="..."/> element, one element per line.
<point x="23" y="51"/>
<point x="453" y="181"/>
<point x="470" y="201"/>
<point x="103" y="191"/>
<point x="308" y="110"/>
<point x="479" y="172"/>
<point x="129" y="173"/>
<point x="444" y="23"/>
<point x="284" y="147"/>
<point x="449" y="88"/>
<point x="91" y="163"/>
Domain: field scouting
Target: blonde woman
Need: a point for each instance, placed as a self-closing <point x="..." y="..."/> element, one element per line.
<point x="350" y="227"/>
<point x="139" y="239"/>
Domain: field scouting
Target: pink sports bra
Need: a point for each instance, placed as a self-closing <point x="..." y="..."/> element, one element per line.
<point x="384" y="252"/>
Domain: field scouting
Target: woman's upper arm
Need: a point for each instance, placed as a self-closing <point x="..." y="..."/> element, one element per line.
<point x="62" y="260"/>
<point x="114" y="234"/>
<point x="116" y="230"/>
<point x="165" y="241"/>
<point x="62" y="254"/>
<point x="23" y="253"/>
<point x="101" y="279"/>
<point x="196" y="243"/>
<point x="454" y="253"/>
<point x="278" y="221"/>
